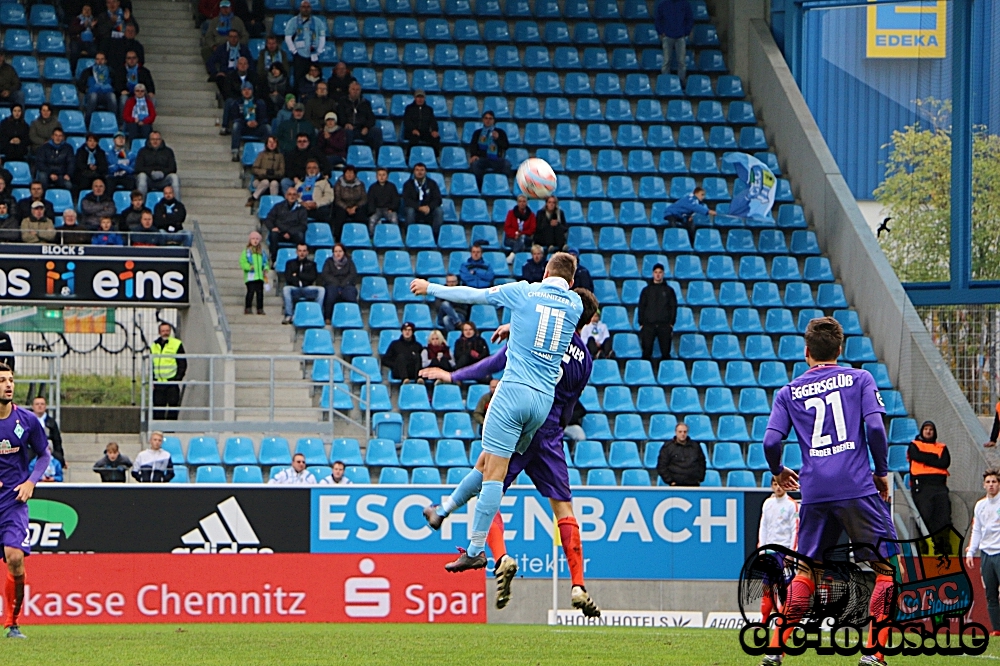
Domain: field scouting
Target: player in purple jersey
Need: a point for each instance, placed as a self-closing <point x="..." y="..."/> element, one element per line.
<point x="830" y="407"/>
<point x="21" y="438"/>
<point x="544" y="461"/>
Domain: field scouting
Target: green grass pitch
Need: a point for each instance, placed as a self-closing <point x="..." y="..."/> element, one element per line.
<point x="399" y="645"/>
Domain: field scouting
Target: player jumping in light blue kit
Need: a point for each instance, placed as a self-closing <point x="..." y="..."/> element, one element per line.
<point x="543" y="318"/>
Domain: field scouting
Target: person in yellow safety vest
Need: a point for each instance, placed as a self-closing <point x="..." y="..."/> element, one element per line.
<point x="929" y="462"/>
<point x="169" y="367"/>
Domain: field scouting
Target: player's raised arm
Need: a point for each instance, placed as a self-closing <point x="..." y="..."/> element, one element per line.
<point x="468" y="295"/>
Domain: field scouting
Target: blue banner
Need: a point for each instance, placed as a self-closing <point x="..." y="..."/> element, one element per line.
<point x="634" y="533"/>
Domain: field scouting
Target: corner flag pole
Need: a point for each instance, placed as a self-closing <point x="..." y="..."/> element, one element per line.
<point x="556" y="543"/>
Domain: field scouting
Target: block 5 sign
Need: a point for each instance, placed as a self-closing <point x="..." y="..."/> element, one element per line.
<point x="668" y="534"/>
<point x="907" y="30"/>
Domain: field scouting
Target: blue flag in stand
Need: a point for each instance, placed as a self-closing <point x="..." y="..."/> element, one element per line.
<point x="753" y="193"/>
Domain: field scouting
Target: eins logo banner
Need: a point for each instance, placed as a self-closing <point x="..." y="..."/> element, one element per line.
<point x="907" y="30"/>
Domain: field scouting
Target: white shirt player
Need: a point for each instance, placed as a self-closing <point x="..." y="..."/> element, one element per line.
<point x="986" y="527"/>
<point x="779" y="522"/>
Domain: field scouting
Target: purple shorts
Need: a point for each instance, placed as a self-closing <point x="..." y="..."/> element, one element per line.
<point x="14" y="526"/>
<point x="865" y="519"/>
<point x="545" y="464"/>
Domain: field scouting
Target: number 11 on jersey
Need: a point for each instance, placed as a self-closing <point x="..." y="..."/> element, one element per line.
<point x="545" y="317"/>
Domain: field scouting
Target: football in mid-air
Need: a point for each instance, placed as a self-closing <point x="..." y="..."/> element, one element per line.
<point x="536" y="178"/>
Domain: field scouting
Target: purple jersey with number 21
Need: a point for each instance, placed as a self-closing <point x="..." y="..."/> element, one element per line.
<point x="827" y="406"/>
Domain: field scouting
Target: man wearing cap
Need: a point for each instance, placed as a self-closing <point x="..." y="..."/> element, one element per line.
<point x="95" y="83"/>
<point x="128" y="77"/>
<point x="250" y="120"/>
<point x="657" y="314"/>
<point x="420" y="127"/>
<point x="358" y="118"/>
<point x="402" y="358"/>
<point x="290" y="129"/>
<point x="332" y="141"/>
<point x="305" y="38"/>
<point x="319" y="105"/>
<point x="37" y="228"/>
<point x="139" y="114"/>
<point x="217" y="30"/>
<point x="225" y="58"/>
<point x="270" y="54"/>
<point x="55" y="161"/>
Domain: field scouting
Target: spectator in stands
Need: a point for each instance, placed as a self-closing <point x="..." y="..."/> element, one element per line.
<point x="518" y="228"/>
<point x="251" y="12"/>
<point x="95" y="83"/>
<point x="254" y="262"/>
<point x="358" y="119"/>
<point x="275" y="89"/>
<point x="268" y="169"/>
<point x="105" y="235"/>
<point x="41" y="128"/>
<point x="487" y="149"/>
<point x="121" y="165"/>
<point x="300" y="276"/>
<point x="929" y="462"/>
<point x="7" y="350"/>
<point x="40" y="408"/>
<point x="551" y="227"/>
<point x="169" y="215"/>
<point x="5" y="175"/>
<point x="139" y="114"/>
<point x="37" y="228"/>
<point x="316" y="193"/>
<point x="270" y="54"/>
<point x="80" y="29"/>
<point x="534" y="268"/>
<point x="422" y="200"/>
<point x="305" y="87"/>
<point x="582" y="277"/>
<point x="350" y="200"/>
<point x="153" y="465"/>
<point x="6" y="194"/>
<point x="657" y="314"/>
<point x="674" y="21"/>
<point x="111" y="23"/>
<point x="10" y="85"/>
<point x="681" y="461"/>
<point x="332" y="141"/>
<point x="54" y="162"/>
<point x="224" y="59"/>
<point x="420" y="127"/>
<point x="448" y="318"/>
<point x="10" y="225"/>
<point x="597" y="337"/>
<point x="339" y="280"/>
<point x="305" y="38"/>
<point x="292" y="130"/>
<point x="470" y="347"/>
<point x="233" y="93"/>
<point x="113" y="465"/>
<point x="72" y="233"/>
<point x="96" y="204"/>
<point x="479" y="415"/>
<point x="250" y="121"/>
<point x="403" y="357"/>
<point x="156" y="166"/>
<point x="14" y="139"/>
<point x="681" y="212"/>
<point x="436" y="354"/>
<point x="340" y="81"/>
<point x="476" y="272"/>
<point x="287" y="221"/>
<point x="297" y="159"/>
<point x="132" y="216"/>
<point x="337" y="478"/>
<point x="319" y="105"/>
<point x="35" y="194"/>
<point x="383" y="201"/>
<point x="116" y="49"/>
<point x="218" y="29"/>
<point x="131" y="75"/>
<point x="296" y="475"/>
<point x="91" y="163"/>
<point x="145" y="234"/>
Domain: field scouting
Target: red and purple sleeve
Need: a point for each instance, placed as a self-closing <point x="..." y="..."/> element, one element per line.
<point x="482" y="370"/>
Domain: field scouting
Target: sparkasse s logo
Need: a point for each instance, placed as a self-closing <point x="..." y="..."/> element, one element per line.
<point x="109" y="284"/>
<point x="226" y="530"/>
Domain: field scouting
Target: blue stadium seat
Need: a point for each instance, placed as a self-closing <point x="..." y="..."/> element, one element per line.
<point x="727" y="455"/>
<point x="239" y="451"/>
<point x="772" y="374"/>
<point x="710" y="112"/>
<point x="706" y="373"/>
<point x="307" y="315"/>
<point x="374" y="288"/>
<point x="318" y="341"/>
<point x="589" y="454"/>
<point x="740" y="478"/>
<point x="414" y="453"/>
<point x="754" y="401"/>
<point x="247" y="474"/>
<point x="858" y="349"/>
<point x="718" y="399"/>
<point x="313" y="450"/>
<point x="382" y="452"/>
<point x="771" y="160"/>
<point x="799" y="295"/>
<point x="605" y="372"/>
<point x="759" y="348"/>
<point x="426" y="476"/>
<point x="804" y="243"/>
<point x="720" y="267"/>
<point x="701" y="293"/>
<point x="274" y="451"/>
<point x="203" y="451"/>
<point x="817" y="269"/>
<point x="210" y="474"/>
<point x="623" y="455"/>
<point x="779" y="321"/>
<point x="791" y="348"/>
<point x="688" y="267"/>
<point x="457" y="425"/>
<point x="172" y="445"/>
<point x="752" y="139"/>
<point x="684" y="400"/>
<point x="691" y="136"/>
<point x="791" y="457"/>
<point x="393" y="475"/>
<point x="830" y="296"/>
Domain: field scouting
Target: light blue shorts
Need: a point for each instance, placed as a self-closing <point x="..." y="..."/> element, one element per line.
<point x="516" y="411"/>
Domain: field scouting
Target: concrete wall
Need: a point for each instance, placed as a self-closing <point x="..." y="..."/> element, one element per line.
<point x="900" y="338"/>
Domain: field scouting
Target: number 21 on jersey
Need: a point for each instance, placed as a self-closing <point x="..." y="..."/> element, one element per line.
<point x="549" y="317"/>
<point x="819" y="439"/>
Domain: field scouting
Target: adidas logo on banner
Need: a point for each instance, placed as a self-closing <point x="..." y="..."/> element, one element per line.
<point x="224" y="531"/>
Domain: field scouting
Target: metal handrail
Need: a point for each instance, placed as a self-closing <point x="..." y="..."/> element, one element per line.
<point x="203" y="268"/>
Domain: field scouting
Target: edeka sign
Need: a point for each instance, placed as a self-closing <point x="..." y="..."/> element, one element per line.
<point x="83" y="589"/>
<point x="685" y="534"/>
<point x="88" y="274"/>
<point x="907" y="30"/>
